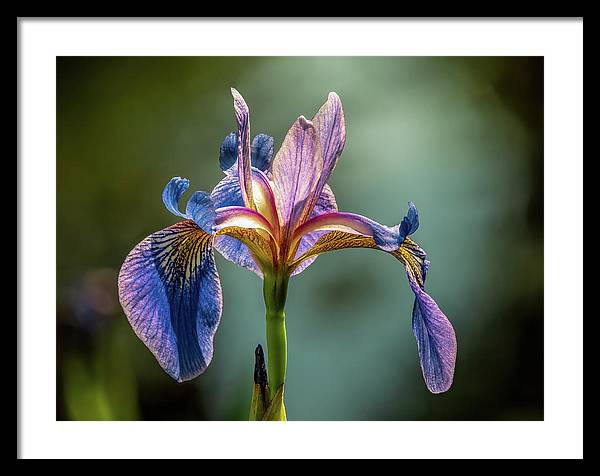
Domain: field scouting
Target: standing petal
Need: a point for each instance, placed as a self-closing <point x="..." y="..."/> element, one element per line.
<point x="410" y="223"/>
<point x="242" y="116"/>
<point x="296" y="171"/>
<point x="331" y="128"/>
<point x="262" y="152"/>
<point x="228" y="152"/>
<point x="171" y="293"/>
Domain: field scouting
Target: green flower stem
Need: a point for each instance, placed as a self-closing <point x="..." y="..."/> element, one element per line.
<point x="275" y="293"/>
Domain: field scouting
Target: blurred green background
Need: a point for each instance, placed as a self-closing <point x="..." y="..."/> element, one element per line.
<point x="461" y="137"/>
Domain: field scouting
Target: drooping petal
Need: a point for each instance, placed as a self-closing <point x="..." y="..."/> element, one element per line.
<point x="333" y="241"/>
<point x="262" y="152"/>
<point x="325" y="204"/>
<point x="295" y="172"/>
<point x="413" y="256"/>
<point x="242" y="116"/>
<point x="349" y="230"/>
<point x="385" y="237"/>
<point x="170" y="291"/>
<point x="173" y="192"/>
<point x="436" y="340"/>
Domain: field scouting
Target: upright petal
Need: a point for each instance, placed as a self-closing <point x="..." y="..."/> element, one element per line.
<point x="436" y="341"/>
<point x="410" y="223"/>
<point x="262" y="152"/>
<point x="242" y="116"/>
<point x="331" y="128"/>
<point x="228" y="152"/>
<point x="295" y="172"/>
<point x="170" y="291"/>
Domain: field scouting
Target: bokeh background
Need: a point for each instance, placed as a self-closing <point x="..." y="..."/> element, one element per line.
<point x="461" y="137"/>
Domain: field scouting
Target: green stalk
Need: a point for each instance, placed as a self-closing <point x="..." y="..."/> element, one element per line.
<point x="275" y="293"/>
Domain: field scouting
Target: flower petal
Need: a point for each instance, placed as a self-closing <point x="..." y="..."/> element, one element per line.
<point x="262" y="152"/>
<point x="228" y="152"/>
<point x="325" y="204"/>
<point x="241" y="217"/>
<point x="385" y="237"/>
<point x="237" y="252"/>
<point x="331" y="128"/>
<point x="261" y="247"/>
<point x="252" y="229"/>
<point x="410" y="222"/>
<point x="201" y="209"/>
<point x="173" y="192"/>
<point x="228" y="194"/>
<point x="242" y="115"/>
<point x="296" y="170"/>
<point x="436" y="340"/>
<point x="171" y="294"/>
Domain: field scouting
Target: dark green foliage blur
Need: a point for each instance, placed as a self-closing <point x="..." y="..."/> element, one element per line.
<point x="461" y="137"/>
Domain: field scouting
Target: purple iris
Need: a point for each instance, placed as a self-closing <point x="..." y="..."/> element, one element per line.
<point x="273" y="215"/>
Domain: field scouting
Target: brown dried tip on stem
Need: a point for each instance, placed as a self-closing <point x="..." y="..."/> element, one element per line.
<point x="260" y="370"/>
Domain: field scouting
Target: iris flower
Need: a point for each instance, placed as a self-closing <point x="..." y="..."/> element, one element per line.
<point x="272" y="215"/>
